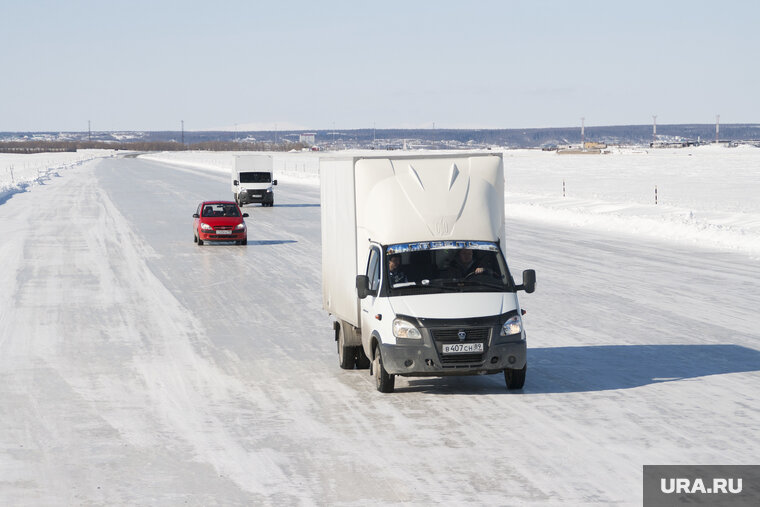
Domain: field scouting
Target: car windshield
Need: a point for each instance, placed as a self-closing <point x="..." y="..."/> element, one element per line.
<point x="220" y="209"/>
<point x="446" y="266"/>
<point x="256" y="177"/>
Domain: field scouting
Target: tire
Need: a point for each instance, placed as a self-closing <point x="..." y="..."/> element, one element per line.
<point x="515" y="379"/>
<point x="244" y="242"/>
<point x="200" y="241"/>
<point x="195" y="238"/>
<point x="346" y="355"/>
<point x="362" y="361"/>
<point x="384" y="381"/>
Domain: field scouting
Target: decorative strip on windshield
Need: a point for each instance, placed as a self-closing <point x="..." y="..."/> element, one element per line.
<point x="440" y="245"/>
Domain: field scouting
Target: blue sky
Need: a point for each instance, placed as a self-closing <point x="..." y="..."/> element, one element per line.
<point x="147" y="65"/>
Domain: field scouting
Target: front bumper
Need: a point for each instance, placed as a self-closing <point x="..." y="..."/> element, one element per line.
<point x="213" y="236"/>
<point x="424" y="357"/>
<point x="256" y="196"/>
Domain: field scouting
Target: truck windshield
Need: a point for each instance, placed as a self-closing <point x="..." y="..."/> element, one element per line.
<point x="446" y="266"/>
<point x="256" y="177"/>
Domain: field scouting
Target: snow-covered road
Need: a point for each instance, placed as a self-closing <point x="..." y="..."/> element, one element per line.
<point x="139" y="368"/>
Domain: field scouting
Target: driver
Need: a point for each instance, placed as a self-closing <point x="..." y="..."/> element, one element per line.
<point x="395" y="275"/>
<point x="464" y="265"/>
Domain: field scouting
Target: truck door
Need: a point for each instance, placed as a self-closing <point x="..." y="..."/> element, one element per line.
<point x="368" y="303"/>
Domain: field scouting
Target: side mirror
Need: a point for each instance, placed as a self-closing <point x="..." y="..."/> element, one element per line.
<point x="196" y="215"/>
<point x="529" y="281"/>
<point x="235" y="182"/>
<point x="362" y="286"/>
<point x="245" y="215"/>
<point x="274" y="182"/>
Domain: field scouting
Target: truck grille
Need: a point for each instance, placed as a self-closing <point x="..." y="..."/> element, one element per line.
<point x="451" y="335"/>
<point x="473" y="334"/>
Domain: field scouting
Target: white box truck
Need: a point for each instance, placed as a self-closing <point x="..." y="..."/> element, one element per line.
<point x="252" y="180"/>
<point x="413" y="270"/>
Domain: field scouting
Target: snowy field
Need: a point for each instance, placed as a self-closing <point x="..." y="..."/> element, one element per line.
<point x="137" y="368"/>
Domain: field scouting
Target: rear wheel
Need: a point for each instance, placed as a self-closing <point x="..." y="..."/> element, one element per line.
<point x="346" y="355"/>
<point x="515" y="379"/>
<point x="384" y="381"/>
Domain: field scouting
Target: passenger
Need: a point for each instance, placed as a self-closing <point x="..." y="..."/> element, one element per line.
<point x="208" y="211"/>
<point x="464" y="265"/>
<point x="395" y="275"/>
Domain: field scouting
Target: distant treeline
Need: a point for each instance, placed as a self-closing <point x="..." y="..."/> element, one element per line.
<point x="72" y="146"/>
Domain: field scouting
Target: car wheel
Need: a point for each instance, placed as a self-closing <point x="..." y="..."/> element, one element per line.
<point x="346" y="355"/>
<point x="514" y="378"/>
<point x="244" y="242"/>
<point x="384" y="381"/>
<point x="195" y="238"/>
<point x="200" y="241"/>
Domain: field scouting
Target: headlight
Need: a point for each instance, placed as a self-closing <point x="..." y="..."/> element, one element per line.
<point x="405" y="329"/>
<point x="239" y="227"/>
<point x="206" y="227"/>
<point x="512" y="326"/>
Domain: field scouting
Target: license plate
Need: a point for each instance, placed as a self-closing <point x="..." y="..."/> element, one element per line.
<point x="255" y="195"/>
<point x="224" y="232"/>
<point x="462" y="348"/>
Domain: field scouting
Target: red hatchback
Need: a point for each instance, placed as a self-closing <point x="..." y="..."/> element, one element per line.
<point x="219" y="221"/>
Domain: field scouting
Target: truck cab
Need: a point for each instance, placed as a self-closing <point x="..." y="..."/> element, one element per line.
<point x="442" y="308"/>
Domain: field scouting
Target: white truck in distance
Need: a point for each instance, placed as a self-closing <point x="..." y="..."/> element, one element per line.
<point x="413" y="269"/>
<point x="252" y="180"/>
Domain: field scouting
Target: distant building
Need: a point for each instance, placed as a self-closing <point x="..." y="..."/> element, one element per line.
<point x="307" y="138"/>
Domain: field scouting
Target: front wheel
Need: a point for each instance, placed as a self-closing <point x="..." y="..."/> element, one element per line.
<point x="384" y="381"/>
<point x="515" y="379"/>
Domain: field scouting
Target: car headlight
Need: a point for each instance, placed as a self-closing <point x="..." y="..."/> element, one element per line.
<point x="405" y="329"/>
<point x="240" y="227"/>
<point x="206" y="227"/>
<point x="513" y="325"/>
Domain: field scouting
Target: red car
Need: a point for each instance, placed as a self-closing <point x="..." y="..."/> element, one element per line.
<point x="219" y="221"/>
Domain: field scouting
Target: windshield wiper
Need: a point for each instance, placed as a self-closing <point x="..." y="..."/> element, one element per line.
<point x="483" y="283"/>
<point x="449" y="286"/>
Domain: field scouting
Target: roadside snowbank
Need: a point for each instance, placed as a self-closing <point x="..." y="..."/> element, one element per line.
<point x="20" y="172"/>
<point x="706" y="196"/>
<point x="301" y="166"/>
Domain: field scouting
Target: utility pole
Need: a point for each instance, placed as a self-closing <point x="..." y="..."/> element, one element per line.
<point x="654" y="129"/>
<point x="583" y="133"/>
